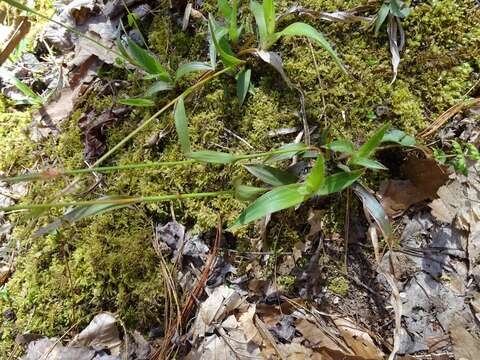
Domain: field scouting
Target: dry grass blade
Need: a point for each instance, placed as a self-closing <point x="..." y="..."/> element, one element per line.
<point x="447" y="115"/>
<point x="20" y="32"/>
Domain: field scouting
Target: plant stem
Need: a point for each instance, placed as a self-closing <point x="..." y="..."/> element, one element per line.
<point x="122" y="201"/>
<point x="158" y="113"/>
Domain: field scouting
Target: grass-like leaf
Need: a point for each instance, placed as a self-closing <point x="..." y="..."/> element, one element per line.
<point x="157" y="87"/>
<point x="187" y="68"/>
<point x="224" y="8"/>
<point x="227" y="58"/>
<point x="381" y="16"/>
<point x="259" y="14"/>
<point x="399" y="137"/>
<point x="338" y="182"/>
<point x="292" y="150"/>
<point x="147" y="61"/>
<point x="269" y="13"/>
<point x="137" y="102"/>
<point x="368" y="163"/>
<point x="243" y="84"/>
<point x="181" y="125"/>
<point x="343" y="146"/>
<point x="34" y="97"/>
<point x="302" y="29"/>
<point x="375" y="209"/>
<point x="213" y="157"/>
<point x="316" y="177"/>
<point x="371" y="145"/>
<point x="279" y="198"/>
<point x="271" y="175"/>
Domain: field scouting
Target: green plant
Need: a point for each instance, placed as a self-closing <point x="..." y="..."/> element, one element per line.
<point x="283" y="189"/>
<point x="459" y="156"/>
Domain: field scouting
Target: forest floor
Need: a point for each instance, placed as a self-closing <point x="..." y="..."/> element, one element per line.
<point x="388" y="268"/>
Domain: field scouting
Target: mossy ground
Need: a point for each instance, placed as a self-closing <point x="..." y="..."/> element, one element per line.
<point x="107" y="263"/>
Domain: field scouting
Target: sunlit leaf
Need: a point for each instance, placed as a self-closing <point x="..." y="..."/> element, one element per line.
<point x="271" y="175"/>
<point x="368" y="163"/>
<point x="399" y="137"/>
<point x="191" y="67"/>
<point x="316" y="177"/>
<point x="34" y="97"/>
<point x="371" y="145"/>
<point x="181" y="125"/>
<point x="225" y="54"/>
<point x="137" y="102"/>
<point x="258" y="13"/>
<point x="275" y="200"/>
<point x="214" y="157"/>
<point x="224" y="8"/>
<point x="338" y="182"/>
<point x="302" y="29"/>
<point x="269" y="13"/>
<point x="343" y="146"/>
<point x="243" y="83"/>
<point x="247" y="192"/>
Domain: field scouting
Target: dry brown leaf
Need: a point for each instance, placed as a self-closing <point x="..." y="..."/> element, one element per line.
<point x="399" y="195"/>
<point x="248" y="326"/>
<point x="358" y="340"/>
<point x="315" y="336"/>
<point x="465" y="346"/>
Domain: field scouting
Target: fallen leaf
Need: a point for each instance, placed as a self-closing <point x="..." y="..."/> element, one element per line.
<point x="465" y="346"/>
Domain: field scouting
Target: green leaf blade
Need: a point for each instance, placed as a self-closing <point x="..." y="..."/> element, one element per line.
<point x="271" y="175"/>
<point x="147" y="61"/>
<point x="243" y="84"/>
<point x="181" y="126"/>
<point x="279" y="198"/>
<point x="316" y="178"/>
<point x="187" y="68"/>
<point x="259" y="14"/>
<point x="343" y="146"/>
<point x="213" y="157"/>
<point x="137" y="102"/>
<point x="338" y="182"/>
<point x="370" y="146"/>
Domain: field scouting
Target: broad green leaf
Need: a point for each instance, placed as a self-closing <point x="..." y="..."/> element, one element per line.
<point x="399" y="9"/>
<point x="399" y="137"/>
<point x="279" y="198"/>
<point x="371" y="145"/>
<point x="343" y="146"/>
<point x="191" y="67"/>
<point x="381" y="16"/>
<point x="181" y="125"/>
<point x="213" y="157"/>
<point x="316" y="177"/>
<point x="147" y="61"/>
<point x="247" y="192"/>
<point x="271" y="175"/>
<point x="227" y="59"/>
<point x="269" y="13"/>
<point x="338" y="182"/>
<point x="302" y="29"/>
<point x="243" y="84"/>
<point x="157" y="87"/>
<point x="375" y="209"/>
<point x="258" y="12"/>
<point x="125" y="53"/>
<point x="137" y="102"/>
<point x="292" y="150"/>
<point x="368" y="163"/>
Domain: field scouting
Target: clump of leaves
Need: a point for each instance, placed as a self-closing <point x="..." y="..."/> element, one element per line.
<point x="459" y="156"/>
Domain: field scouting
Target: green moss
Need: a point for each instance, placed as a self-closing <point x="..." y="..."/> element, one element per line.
<point x="339" y="285"/>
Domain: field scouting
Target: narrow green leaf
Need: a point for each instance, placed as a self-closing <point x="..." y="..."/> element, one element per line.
<point x="157" y="87"/>
<point x="269" y="13"/>
<point x="213" y="157"/>
<point x="271" y="175"/>
<point x="247" y="192"/>
<point x="125" y="53"/>
<point x="187" y="68"/>
<point x="79" y="213"/>
<point x="338" y="182"/>
<point x="343" y="146"/>
<point x="137" y="102"/>
<point x="302" y="29"/>
<point x="375" y="209"/>
<point x="371" y="145"/>
<point x="224" y="8"/>
<point x="34" y="97"/>
<point x="381" y="16"/>
<point x="243" y="84"/>
<point x="232" y="28"/>
<point x="399" y="137"/>
<point x="181" y="125"/>
<point x="259" y="14"/>
<point x="227" y="59"/>
<point x="368" y="163"/>
<point x="294" y="147"/>
<point x="275" y="200"/>
<point x="147" y="61"/>
<point x="316" y="177"/>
